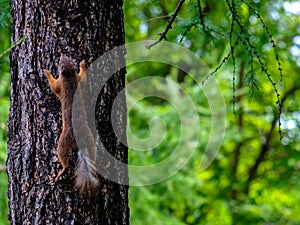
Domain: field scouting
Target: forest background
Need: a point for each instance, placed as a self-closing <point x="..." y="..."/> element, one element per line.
<point x="254" y="178"/>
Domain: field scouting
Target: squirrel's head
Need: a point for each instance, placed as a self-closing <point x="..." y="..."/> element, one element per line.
<point x="67" y="67"/>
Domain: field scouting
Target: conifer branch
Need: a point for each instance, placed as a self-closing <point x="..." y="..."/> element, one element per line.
<point x="168" y="27"/>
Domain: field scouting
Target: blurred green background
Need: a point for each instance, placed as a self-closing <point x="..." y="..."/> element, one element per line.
<point x="224" y="193"/>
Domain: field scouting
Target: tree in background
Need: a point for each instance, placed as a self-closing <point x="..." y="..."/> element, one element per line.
<point x="81" y="30"/>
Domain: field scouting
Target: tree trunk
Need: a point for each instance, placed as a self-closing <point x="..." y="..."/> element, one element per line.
<point x="81" y="30"/>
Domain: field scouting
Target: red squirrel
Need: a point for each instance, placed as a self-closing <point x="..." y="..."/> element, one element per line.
<point x="65" y="87"/>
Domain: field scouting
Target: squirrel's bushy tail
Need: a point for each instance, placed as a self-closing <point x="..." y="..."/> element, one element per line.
<point x="86" y="181"/>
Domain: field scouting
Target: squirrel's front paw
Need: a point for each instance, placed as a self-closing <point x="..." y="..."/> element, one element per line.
<point x="82" y="64"/>
<point x="47" y="73"/>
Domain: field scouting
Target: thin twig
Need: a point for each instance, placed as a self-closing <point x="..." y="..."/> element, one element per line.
<point x="234" y="14"/>
<point x="169" y="26"/>
<point x="14" y="45"/>
<point x="158" y="17"/>
<point x="225" y="59"/>
<point x="202" y="17"/>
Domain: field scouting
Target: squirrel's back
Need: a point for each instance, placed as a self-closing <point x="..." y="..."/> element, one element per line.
<point x="86" y="181"/>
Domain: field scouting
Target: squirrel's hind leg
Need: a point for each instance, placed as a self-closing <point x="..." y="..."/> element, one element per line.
<point x="63" y="157"/>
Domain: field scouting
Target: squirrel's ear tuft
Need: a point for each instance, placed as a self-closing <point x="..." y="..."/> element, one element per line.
<point x="62" y="57"/>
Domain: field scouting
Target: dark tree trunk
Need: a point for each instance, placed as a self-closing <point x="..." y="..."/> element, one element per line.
<point x="81" y="30"/>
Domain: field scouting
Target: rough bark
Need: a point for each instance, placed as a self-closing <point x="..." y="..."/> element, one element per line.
<point x="81" y="30"/>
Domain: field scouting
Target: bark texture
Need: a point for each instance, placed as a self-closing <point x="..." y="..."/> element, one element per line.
<point x="82" y="30"/>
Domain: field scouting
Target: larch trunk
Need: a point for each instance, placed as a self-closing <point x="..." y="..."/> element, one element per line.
<point x="81" y="30"/>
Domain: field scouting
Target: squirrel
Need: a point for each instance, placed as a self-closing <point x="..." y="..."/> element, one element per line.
<point x="65" y="87"/>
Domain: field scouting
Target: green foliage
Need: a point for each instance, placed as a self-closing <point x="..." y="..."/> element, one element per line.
<point x="226" y="192"/>
<point x="232" y="190"/>
<point x="4" y="15"/>
<point x="3" y="199"/>
<point x="4" y="103"/>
